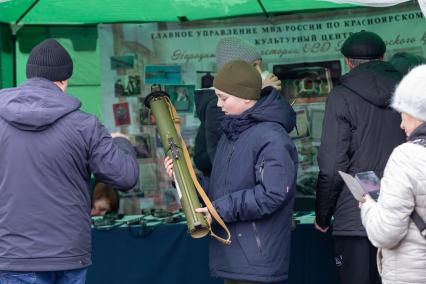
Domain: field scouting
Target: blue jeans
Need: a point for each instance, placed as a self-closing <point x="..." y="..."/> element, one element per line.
<point x="76" y="276"/>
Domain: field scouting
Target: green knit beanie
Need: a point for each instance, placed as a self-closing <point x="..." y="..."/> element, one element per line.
<point x="239" y="78"/>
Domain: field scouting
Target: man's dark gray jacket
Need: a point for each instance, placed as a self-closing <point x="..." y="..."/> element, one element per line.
<point x="48" y="150"/>
<point x="359" y="132"/>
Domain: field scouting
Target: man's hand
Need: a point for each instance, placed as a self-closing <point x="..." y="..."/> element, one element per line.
<point x="206" y="212"/>
<point x="272" y="80"/>
<point x="321" y="229"/>
<point x="119" y="134"/>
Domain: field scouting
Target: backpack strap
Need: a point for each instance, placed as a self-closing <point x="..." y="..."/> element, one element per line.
<point x="417" y="219"/>
<point x="420" y="223"/>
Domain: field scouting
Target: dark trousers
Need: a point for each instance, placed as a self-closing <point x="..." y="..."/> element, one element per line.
<point x="356" y="260"/>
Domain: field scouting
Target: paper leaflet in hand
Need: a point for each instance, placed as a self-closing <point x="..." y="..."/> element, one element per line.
<point x="363" y="183"/>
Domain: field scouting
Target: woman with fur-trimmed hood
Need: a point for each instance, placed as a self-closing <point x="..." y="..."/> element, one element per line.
<point x="402" y="248"/>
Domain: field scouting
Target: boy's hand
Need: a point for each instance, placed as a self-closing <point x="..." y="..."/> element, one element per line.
<point x="206" y="212"/>
<point x="272" y="80"/>
<point x="168" y="164"/>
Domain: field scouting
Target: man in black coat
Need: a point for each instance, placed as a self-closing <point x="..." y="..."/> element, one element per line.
<point x="360" y="131"/>
<point x="210" y="129"/>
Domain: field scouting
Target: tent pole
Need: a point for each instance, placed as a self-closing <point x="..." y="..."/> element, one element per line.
<point x="14" y="28"/>
<point x="263" y="8"/>
<point x="14" y="58"/>
<point x="26" y="11"/>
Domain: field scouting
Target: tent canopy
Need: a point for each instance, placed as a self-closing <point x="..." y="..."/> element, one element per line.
<point x="71" y="12"/>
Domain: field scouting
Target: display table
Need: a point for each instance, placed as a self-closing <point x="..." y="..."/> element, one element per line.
<point x="166" y="254"/>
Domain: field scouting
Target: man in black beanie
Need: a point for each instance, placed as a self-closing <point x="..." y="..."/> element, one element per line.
<point x="51" y="61"/>
<point x="49" y="150"/>
<point x="359" y="133"/>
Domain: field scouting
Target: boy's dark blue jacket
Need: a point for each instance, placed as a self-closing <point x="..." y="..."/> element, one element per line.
<point x="252" y="186"/>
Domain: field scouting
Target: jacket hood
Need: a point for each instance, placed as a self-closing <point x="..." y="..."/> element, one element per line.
<point x="271" y="107"/>
<point x="202" y="98"/>
<point x="35" y="105"/>
<point x="374" y="81"/>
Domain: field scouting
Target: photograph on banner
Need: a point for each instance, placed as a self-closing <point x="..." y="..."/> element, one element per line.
<point x="182" y="97"/>
<point x="163" y="74"/>
<point x="145" y="116"/>
<point x="122" y="62"/>
<point x="301" y="129"/>
<point x="148" y="175"/>
<point x="121" y="114"/>
<point x="144" y="145"/>
<point x="308" y="82"/>
<point x="134" y="115"/>
<point x="119" y="86"/>
<point x="133" y="86"/>
<point x="127" y="85"/>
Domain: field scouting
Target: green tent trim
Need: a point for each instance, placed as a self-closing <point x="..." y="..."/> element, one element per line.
<point x="81" y="12"/>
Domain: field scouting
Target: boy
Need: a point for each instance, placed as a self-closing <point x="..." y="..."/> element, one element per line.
<point x="253" y="179"/>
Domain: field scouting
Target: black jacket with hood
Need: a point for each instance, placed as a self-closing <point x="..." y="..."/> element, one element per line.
<point x="210" y="129"/>
<point x="360" y="131"/>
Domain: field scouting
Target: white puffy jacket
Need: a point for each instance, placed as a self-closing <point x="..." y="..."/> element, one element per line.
<point x="402" y="250"/>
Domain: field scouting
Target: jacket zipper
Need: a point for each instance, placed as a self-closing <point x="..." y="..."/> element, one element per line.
<point x="256" y="233"/>
<point x="227" y="169"/>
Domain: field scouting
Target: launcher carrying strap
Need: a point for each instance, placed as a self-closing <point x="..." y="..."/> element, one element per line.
<point x="200" y="190"/>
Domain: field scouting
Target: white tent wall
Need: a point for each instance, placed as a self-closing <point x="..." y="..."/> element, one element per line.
<point x="378" y="3"/>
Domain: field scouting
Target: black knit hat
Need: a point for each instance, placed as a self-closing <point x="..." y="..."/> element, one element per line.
<point x="240" y="79"/>
<point x="49" y="60"/>
<point x="363" y="45"/>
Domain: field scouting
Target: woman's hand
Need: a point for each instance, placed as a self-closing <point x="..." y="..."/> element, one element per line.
<point x="206" y="213"/>
<point x="366" y="197"/>
<point x="168" y="164"/>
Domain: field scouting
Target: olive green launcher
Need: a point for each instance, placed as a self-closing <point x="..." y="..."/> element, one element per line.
<point x="166" y="121"/>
